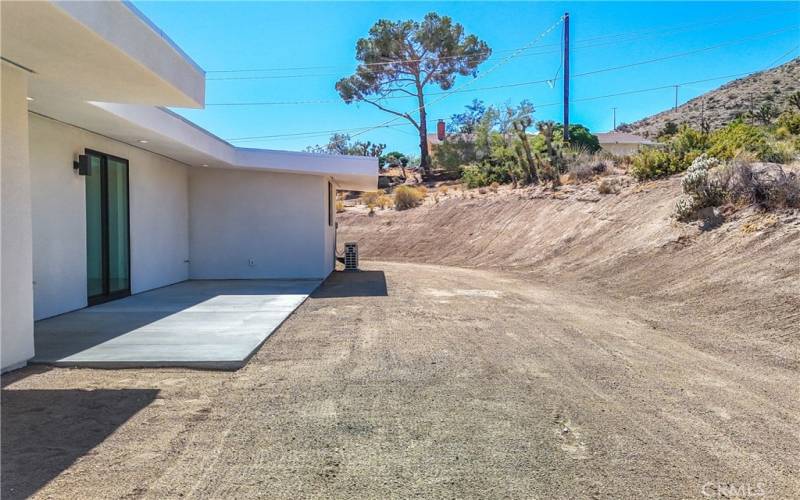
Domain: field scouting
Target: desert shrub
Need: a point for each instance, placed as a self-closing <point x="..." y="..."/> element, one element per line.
<point x="443" y="189"/>
<point x="339" y="206"/>
<point x="483" y="174"/>
<point x="766" y="184"/>
<point x="670" y="128"/>
<point x="609" y="185"/>
<point x="580" y="171"/>
<point x="782" y="151"/>
<point x="685" y="208"/>
<point x="738" y="137"/>
<point x="493" y="187"/>
<point x="473" y="176"/>
<point x="369" y="198"/>
<point x="406" y="197"/>
<point x="790" y="122"/>
<point x="422" y="189"/>
<point x="581" y="167"/>
<point x="700" y="183"/>
<point x="689" y="141"/>
<point x="383" y="202"/>
<point x="740" y="182"/>
<point x="650" y="163"/>
<point x="701" y="188"/>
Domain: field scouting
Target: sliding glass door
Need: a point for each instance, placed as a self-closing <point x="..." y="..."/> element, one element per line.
<point x="107" y="228"/>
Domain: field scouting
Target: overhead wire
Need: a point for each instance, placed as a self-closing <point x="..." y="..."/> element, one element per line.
<point x="524" y="83"/>
<point x="549" y="104"/>
<point x="578" y="44"/>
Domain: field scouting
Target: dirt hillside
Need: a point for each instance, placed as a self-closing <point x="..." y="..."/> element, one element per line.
<point x="720" y="106"/>
<point x="742" y="277"/>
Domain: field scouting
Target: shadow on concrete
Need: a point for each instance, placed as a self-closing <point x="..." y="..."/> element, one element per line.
<point x="45" y="431"/>
<point x="352" y="284"/>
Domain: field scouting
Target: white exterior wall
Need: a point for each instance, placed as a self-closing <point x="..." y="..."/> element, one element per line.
<point x="621" y="149"/>
<point x="277" y="220"/>
<point x="159" y="216"/>
<point x="16" y="298"/>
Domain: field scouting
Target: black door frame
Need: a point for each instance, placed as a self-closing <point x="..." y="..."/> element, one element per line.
<point x="107" y="295"/>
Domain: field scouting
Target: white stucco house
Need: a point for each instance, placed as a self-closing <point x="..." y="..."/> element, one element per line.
<point x="623" y="143"/>
<point x="105" y="193"/>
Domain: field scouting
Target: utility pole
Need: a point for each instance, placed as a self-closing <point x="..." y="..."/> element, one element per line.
<point x="676" y="98"/>
<point x="614" y="109"/>
<point x="566" y="76"/>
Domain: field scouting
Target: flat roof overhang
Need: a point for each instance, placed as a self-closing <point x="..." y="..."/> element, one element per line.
<point x="104" y="51"/>
<point x="169" y="134"/>
<point x="172" y="135"/>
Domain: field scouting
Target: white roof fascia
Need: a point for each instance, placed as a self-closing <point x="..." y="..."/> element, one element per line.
<point x="357" y="173"/>
<point x="128" y="29"/>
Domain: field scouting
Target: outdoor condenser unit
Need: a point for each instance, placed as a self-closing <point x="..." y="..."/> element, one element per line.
<point x="351" y="256"/>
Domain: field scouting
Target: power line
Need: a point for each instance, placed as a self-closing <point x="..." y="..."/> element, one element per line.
<point x="792" y="27"/>
<point x="632" y="36"/>
<point x="537" y="106"/>
<point x="489" y="71"/>
<point x="525" y="83"/>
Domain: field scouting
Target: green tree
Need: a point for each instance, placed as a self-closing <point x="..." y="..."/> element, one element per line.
<point x="339" y="144"/>
<point x="403" y="57"/>
<point x="765" y="113"/>
<point x="670" y="129"/>
<point x="520" y="119"/>
<point x="467" y="122"/>
<point x="579" y="136"/>
<point x="794" y="100"/>
<point x="547" y="130"/>
<point x="394" y="159"/>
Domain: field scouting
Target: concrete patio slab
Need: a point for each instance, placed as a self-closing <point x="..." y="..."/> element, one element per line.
<point x="213" y="324"/>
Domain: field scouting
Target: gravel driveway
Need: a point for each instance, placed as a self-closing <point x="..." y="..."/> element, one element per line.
<point x="442" y="382"/>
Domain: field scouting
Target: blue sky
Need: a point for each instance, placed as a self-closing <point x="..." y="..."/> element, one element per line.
<point x="322" y="38"/>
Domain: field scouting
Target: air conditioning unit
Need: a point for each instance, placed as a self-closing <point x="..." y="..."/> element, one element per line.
<point x="351" y="256"/>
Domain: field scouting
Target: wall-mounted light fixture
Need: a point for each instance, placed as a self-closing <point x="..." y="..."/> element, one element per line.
<point x="83" y="165"/>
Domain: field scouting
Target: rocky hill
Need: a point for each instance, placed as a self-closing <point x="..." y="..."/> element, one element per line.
<point x="722" y="105"/>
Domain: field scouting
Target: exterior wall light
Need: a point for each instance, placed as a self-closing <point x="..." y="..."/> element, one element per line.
<point x="83" y="166"/>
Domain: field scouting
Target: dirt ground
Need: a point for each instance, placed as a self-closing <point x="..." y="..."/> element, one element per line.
<point x="741" y="276"/>
<point x="428" y="381"/>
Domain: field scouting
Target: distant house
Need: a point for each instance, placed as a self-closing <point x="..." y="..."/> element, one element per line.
<point x="623" y="143"/>
<point x="434" y="141"/>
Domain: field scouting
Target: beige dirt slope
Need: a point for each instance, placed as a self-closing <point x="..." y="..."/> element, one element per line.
<point x="741" y="279"/>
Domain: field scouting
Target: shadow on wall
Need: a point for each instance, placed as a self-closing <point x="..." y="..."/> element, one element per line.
<point x="45" y="431"/>
<point x="352" y="284"/>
